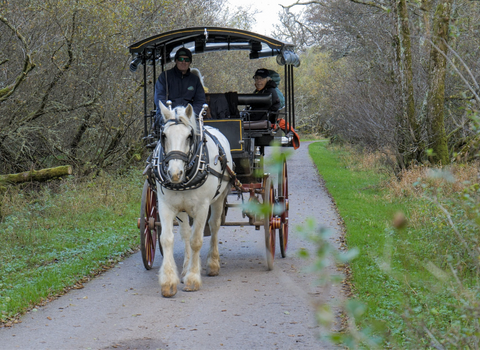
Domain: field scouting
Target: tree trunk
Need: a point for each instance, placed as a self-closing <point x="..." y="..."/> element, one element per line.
<point x="404" y="56"/>
<point x="34" y="175"/>
<point x="437" y="73"/>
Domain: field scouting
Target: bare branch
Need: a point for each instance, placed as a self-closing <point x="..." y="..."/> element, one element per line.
<point x="298" y="3"/>
<point x="469" y="86"/>
<point x="27" y="66"/>
<point x="368" y="3"/>
<point x="371" y="3"/>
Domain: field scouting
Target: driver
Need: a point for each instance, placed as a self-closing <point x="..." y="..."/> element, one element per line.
<point x="183" y="87"/>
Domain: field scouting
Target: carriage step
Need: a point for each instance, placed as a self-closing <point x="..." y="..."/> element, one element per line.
<point x="243" y="223"/>
<point x="233" y="205"/>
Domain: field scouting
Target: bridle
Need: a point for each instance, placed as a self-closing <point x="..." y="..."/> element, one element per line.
<point x="176" y="154"/>
<point x="196" y="160"/>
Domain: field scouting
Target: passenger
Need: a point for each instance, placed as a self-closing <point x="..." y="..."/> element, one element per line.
<point x="276" y="78"/>
<point x="183" y="86"/>
<point x="265" y="85"/>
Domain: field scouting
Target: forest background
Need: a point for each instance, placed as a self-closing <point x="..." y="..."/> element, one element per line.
<point x="396" y="76"/>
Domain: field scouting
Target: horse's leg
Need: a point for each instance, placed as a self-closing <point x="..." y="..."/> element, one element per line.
<point x="213" y="259"/>
<point x="192" y="280"/>
<point x="185" y="232"/>
<point x="168" y="275"/>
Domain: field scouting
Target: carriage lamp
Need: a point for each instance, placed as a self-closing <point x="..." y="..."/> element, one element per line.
<point x="134" y="64"/>
<point x="288" y="57"/>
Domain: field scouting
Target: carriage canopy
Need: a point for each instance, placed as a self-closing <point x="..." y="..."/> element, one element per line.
<point x="162" y="47"/>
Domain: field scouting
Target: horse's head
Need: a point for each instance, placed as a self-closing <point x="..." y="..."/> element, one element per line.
<point x="177" y="138"/>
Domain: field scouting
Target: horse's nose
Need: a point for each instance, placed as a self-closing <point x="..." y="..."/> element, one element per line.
<point x="176" y="176"/>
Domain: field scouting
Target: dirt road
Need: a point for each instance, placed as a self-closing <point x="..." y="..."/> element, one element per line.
<point x="245" y="307"/>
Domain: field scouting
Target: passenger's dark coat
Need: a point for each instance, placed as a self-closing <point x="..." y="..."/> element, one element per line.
<point x="274" y="107"/>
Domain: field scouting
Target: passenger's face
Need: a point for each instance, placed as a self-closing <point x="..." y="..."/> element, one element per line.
<point x="183" y="63"/>
<point x="260" y="82"/>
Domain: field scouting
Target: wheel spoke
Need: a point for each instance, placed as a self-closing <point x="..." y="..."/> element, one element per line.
<point x="148" y="235"/>
<point x="283" y="195"/>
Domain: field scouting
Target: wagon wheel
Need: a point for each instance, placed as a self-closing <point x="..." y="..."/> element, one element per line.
<point x="268" y="201"/>
<point x="283" y="200"/>
<point x="148" y="230"/>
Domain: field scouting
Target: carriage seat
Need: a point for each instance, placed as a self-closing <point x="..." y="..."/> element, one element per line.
<point x="222" y="105"/>
<point x="225" y="105"/>
<point x="257" y="125"/>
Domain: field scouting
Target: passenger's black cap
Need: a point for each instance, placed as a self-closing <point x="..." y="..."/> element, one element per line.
<point x="262" y="72"/>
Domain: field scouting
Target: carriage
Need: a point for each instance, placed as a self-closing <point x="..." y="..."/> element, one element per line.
<point x="247" y="139"/>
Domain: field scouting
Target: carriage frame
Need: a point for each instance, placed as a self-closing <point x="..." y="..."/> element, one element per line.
<point x="247" y="139"/>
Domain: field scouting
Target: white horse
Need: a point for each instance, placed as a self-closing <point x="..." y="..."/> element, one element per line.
<point x="179" y="196"/>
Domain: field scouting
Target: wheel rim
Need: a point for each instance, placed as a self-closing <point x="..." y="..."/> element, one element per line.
<point x="269" y="197"/>
<point x="283" y="193"/>
<point x="148" y="234"/>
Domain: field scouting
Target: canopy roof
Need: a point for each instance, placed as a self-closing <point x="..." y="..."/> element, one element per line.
<point x="209" y="39"/>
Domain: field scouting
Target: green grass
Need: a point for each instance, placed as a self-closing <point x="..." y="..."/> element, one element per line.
<point x="57" y="235"/>
<point x="358" y="196"/>
<point x="391" y="274"/>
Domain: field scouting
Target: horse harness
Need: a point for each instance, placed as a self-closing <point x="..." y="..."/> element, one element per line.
<point x="196" y="161"/>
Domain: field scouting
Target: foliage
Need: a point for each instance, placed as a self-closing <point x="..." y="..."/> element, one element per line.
<point x="404" y="76"/>
<point x="53" y="237"/>
<point x="80" y="105"/>
<point x="417" y="270"/>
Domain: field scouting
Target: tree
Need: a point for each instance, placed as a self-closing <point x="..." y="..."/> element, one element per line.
<point x="28" y="64"/>
<point x="405" y="47"/>
<point x="80" y="105"/>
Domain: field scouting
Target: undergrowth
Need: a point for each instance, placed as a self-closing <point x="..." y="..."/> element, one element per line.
<point x="55" y="235"/>
<point x="418" y="266"/>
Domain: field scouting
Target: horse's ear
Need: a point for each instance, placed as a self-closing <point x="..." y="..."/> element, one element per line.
<point x="189" y="111"/>
<point x="165" y="111"/>
<point x="190" y="114"/>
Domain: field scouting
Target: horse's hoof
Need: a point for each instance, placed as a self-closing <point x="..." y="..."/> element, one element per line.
<point x="169" y="291"/>
<point x="213" y="272"/>
<point x="191" y="286"/>
<point x="213" y="268"/>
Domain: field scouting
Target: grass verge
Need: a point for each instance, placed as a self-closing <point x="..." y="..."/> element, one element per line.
<point x="419" y="282"/>
<point x="55" y="236"/>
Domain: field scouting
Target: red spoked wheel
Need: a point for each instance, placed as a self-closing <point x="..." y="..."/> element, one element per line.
<point x="284" y="204"/>
<point x="270" y="221"/>
<point x="148" y="229"/>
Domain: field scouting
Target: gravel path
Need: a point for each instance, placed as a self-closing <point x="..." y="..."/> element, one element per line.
<point x="245" y="307"/>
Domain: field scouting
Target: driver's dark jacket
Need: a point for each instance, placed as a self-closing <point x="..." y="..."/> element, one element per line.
<point x="274" y="107"/>
<point x="182" y="90"/>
